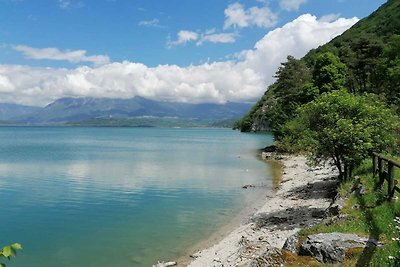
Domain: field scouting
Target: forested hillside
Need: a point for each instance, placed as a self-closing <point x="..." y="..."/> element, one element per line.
<point x="364" y="59"/>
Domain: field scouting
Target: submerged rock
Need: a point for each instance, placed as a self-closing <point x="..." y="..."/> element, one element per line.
<point x="248" y="186"/>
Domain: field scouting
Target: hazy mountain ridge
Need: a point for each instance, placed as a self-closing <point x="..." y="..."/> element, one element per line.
<point x="107" y="111"/>
<point x="9" y="111"/>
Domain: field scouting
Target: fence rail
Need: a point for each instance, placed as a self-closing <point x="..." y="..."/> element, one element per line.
<point x="384" y="167"/>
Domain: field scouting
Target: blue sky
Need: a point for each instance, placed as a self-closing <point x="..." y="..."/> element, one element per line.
<point x="88" y="36"/>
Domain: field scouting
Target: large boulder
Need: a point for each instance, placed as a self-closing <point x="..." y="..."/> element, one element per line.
<point x="332" y="247"/>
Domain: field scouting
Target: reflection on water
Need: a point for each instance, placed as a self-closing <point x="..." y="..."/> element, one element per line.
<point x="120" y="196"/>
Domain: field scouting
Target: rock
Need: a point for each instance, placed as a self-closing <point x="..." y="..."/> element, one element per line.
<point x="291" y="243"/>
<point x="248" y="186"/>
<point x="318" y="214"/>
<point x="165" y="264"/>
<point x="331" y="247"/>
<point x="269" y="257"/>
<point x="271" y="148"/>
<point x="266" y="155"/>
<point x="335" y="207"/>
<point x="217" y="260"/>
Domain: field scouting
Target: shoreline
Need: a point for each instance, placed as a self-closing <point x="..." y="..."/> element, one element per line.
<point x="298" y="202"/>
<point x="242" y="217"/>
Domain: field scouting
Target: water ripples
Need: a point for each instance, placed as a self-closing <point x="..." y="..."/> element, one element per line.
<point x="120" y="197"/>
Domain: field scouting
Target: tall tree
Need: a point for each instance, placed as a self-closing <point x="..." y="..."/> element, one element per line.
<point x="329" y="72"/>
<point x="292" y="89"/>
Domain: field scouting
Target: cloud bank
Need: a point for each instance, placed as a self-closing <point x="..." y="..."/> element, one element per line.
<point x="77" y="56"/>
<point x="242" y="79"/>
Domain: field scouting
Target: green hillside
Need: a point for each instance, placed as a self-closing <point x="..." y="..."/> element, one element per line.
<point x="364" y="59"/>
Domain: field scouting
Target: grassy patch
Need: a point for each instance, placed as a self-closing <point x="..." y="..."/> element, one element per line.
<point x="370" y="215"/>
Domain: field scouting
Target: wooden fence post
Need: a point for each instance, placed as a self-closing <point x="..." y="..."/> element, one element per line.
<point x="379" y="165"/>
<point x="374" y="165"/>
<point x="380" y="172"/>
<point x="390" y="176"/>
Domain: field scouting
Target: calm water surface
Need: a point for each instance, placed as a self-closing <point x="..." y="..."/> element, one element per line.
<point x="121" y="196"/>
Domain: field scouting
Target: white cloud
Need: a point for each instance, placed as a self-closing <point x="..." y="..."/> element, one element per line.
<point x="218" y="38"/>
<point x="241" y="80"/>
<point x="5" y="85"/>
<point x="236" y="16"/>
<point x="329" y="17"/>
<point x="291" y="5"/>
<point x="184" y="37"/>
<point x="64" y="4"/>
<point x="151" y="23"/>
<point x="295" y="38"/>
<point x="69" y="4"/>
<point x="210" y="36"/>
<point x="51" y="53"/>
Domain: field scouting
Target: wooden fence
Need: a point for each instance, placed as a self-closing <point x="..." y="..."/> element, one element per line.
<point x="384" y="167"/>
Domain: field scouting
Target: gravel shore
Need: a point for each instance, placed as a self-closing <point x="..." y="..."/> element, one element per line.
<point x="300" y="201"/>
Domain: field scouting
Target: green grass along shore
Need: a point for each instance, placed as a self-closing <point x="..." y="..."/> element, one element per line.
<point x="370" y="215"/>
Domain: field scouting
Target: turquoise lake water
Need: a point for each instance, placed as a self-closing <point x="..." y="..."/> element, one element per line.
<point x="121" y="196"/>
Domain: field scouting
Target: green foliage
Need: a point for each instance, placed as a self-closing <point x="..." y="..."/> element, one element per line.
<point x="329" y="72"/>
<point x="365" y="58"/>
<point x="245" y="123"/>
<point x="278" y="105"/>
<point x="9" y="252"/>
<point x="291" y="76"/>
<point x="343" y="127"/>
<point x="390" y="69"/>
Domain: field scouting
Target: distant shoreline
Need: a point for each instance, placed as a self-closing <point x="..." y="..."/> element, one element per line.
<point x="234" y="248"/>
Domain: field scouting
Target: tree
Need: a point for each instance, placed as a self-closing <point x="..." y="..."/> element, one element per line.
<point x="391" y="74"/>
<point x="291" y="89"/>
<point x="291" y="76"/>
<point x="344" y="128"/>
<point x="9" y="251"/>
<point x="329" y="72"/>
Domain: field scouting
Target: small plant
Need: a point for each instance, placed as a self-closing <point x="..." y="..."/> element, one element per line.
<point x="9" y="252"/>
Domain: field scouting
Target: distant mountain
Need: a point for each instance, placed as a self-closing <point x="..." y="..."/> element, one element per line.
<point x="12" y="111"/>
<point x="107" y="111"/>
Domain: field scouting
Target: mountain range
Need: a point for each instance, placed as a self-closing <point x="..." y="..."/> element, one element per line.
<point x="137" y="111"/>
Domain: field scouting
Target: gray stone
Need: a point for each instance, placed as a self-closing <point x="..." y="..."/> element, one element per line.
<point x="335" y="207"/>
<point x="269" y="257"/>
<point x="331" y="247"/>
<point x="291" y="243"/>
<point x="271" y="148"/>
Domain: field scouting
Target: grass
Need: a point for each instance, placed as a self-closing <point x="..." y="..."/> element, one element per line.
<point x="370" y="215"/>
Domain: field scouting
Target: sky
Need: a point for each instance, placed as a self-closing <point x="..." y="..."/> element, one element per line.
<point x="209" y="51"/>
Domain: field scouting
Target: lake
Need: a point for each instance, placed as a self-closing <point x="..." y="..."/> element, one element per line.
<point x="121" y="196"/>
